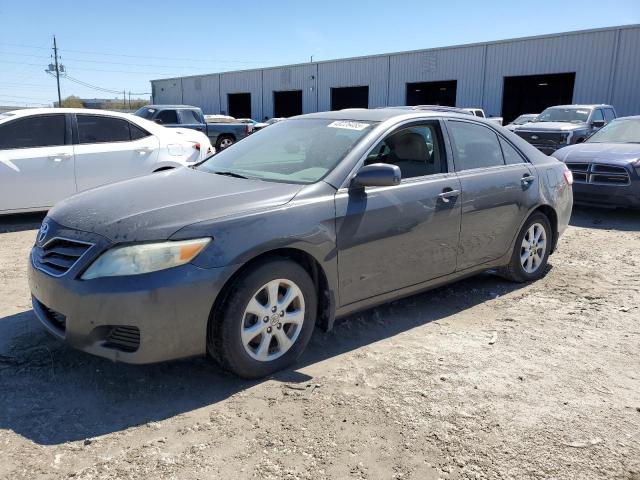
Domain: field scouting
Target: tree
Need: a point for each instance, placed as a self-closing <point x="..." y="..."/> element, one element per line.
<point x="72" y="102"/>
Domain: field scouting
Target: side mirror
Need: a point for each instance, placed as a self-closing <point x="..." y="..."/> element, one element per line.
<point x="158" y="121"/>
<point x="598" y="123"/>
<point x="377" y="175"/>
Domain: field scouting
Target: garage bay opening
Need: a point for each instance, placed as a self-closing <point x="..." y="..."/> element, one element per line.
<point x="349" y="97"/>
<point x="239" y="105"/>
<point x="534" y="93"/>
<point x="287" y="104"/>
<point x="432" y="93"/>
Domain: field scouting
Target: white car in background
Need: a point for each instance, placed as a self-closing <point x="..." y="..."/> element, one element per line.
<point x="48" y="154"/>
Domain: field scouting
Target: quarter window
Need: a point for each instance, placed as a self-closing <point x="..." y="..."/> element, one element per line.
<point x="188" y="116"/>
<point x="609" y="115"/>
<point x="416" y="150"/>
<point x="137" y="133"/>
<point x="32" y="132"/>
<point x="511" y="155"/>
<point x="99" y="129"/>
<point x="474" y="146"/>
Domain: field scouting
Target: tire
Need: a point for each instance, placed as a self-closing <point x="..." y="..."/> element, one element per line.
<point x="237" y="337"/>
<point x="529" y="261"/>
<point x="224" y="141"/>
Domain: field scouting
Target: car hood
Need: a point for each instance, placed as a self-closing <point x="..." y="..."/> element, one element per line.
<point x="551" y="126"/>
<point x="155" y="206"/>
<point x="615" y="153"/>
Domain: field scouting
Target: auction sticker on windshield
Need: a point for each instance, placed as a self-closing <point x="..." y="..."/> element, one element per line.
<point x="348" y="125"/>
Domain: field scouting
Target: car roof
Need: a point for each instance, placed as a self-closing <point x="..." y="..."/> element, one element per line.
<point x="165" y="107"/>
<point x="23" y="112"/>
<point x="583" y="105"/>
<point x="381" y="114"/>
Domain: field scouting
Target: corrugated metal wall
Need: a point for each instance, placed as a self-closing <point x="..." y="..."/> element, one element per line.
<point x="606" y="63"/>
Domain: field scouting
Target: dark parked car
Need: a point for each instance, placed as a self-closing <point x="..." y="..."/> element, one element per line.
<point x="564" y="125"/>
<point x="606" y="167"/>
<point x="221" y="134"/>
<point x="314" y="218"/>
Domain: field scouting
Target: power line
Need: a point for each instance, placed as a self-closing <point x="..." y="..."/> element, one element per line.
<point x="199" y="60"/>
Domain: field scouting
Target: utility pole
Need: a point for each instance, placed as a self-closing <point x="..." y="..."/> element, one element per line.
<point x="129" y="99"/>
<point x="55" y="55"/>
<point x="124" y="100"/>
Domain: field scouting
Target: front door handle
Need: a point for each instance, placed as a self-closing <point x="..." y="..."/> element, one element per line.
<point x="59" y="157"/>
<point x="527" y="179"/>
<point x="448" y="193"/>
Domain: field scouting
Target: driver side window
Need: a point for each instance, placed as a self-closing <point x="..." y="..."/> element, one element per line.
<point x="416" y="150"/>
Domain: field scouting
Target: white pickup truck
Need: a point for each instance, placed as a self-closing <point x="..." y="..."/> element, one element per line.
<point x="478" y="112"/>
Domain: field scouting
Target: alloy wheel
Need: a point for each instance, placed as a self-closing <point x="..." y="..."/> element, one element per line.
<point x="272" y="320"/>
<point x="533" y="248"/>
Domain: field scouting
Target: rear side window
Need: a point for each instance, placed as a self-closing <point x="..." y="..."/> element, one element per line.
<point x="189" y="116"/>
<point x="168" y="117"/>
<point x="99" y="129"/>
<point x="474" y="146"/>
<point x="511" y="155"/>
<point x="32" y="132"/>
<point x="609" y="115"/>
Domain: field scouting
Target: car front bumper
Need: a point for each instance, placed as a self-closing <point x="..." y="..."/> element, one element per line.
<point x="144" y="318"/>
<point x="607" y="195"/>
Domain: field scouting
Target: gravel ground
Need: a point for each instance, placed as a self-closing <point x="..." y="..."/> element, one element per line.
<point x="480" y="379"/>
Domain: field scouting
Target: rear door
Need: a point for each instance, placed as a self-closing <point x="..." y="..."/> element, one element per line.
<point x="398" y="236"/>
<point x="109" y="149"/>
<point x="499" y="187"/>
<point x="36" y="162"/>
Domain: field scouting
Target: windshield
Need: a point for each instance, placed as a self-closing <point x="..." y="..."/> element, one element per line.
<point x="618" y="131"/>
<point x="569" y="115"/>
<point x="522" y="119"/>
<point x="290" y="151"/>
<point x="145" y="112"/>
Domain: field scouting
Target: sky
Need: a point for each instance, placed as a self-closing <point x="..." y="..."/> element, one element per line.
<point x="121" y="45"/>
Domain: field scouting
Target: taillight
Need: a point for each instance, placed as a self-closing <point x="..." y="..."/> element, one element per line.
<point x="196" y="146"/>
<point x="246" y="129"/>
<point x="568" y="176"/>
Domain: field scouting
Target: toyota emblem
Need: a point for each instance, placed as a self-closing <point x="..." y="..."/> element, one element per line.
<point x="42" y="233"/>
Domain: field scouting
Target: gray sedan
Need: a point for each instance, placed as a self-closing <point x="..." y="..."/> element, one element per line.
<point x="311" y="219"/>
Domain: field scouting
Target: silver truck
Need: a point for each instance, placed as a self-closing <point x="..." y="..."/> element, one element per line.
<point x="222" y="135"/>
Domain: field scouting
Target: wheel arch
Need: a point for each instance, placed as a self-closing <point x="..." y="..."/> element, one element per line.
<point x="326" y="298"/>
<point x="551" y="214"/>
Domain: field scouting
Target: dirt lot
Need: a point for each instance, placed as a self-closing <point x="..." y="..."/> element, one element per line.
<point x="481" y="379"/>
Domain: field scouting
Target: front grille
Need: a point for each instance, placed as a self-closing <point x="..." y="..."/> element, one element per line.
<point x="598" y="173"/>
<point x="124" y="338"/>
<point x="58" y="255"/>
<point x="542" y="138"/>
<point x="55" y="319"/>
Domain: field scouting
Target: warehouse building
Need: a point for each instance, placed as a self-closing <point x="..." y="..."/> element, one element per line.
<point x="505" y="78"/>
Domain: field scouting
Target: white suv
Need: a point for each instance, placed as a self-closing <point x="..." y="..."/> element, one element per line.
<point x="48" y="154"/>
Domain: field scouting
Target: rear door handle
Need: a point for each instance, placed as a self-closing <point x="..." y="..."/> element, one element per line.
<point x="527" y="179"/>
<point x="143" y="150"/>
<point x="447" y="194"/>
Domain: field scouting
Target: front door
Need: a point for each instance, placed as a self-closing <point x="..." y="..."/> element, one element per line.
<point x="394" y="237"/>
<point x="111" y="149"/>
<point x="36" y="162"/>
<point x="499" y="187"/>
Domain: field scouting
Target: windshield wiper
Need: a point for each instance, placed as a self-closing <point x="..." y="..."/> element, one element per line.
<point x="230" y="174"/>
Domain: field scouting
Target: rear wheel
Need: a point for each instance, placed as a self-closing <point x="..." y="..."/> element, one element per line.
<point x="531" y="251"/>
<point x="266" y="321"/>
<point x="225" y="141"/>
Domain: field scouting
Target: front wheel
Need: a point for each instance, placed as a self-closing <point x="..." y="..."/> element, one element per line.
<point x="266" y="321"/>
<point x="531" y="251"/>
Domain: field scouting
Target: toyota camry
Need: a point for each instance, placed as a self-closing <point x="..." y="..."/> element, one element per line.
<point x="315" y="217"/>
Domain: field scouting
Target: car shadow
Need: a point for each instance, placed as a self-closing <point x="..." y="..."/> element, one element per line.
<point x="54" y="394"/>
<point x="606" y="219"/>
<point x="21" y="222"/>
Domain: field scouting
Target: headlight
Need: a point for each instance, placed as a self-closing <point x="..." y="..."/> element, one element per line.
<point x="144" y="258"/>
